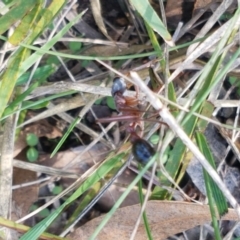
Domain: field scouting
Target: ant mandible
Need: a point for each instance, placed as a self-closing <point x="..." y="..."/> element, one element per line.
<point x="129" y="109"/>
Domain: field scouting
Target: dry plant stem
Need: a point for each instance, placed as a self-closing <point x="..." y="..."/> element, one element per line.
<point x="177" y="31"/>
<point x="37" y="182"/>
<point x="64" y="106"/>
<point x="169" y="119"/>
<point x="6" y="169"/>
<point x="44" y="169"/>
<point x="211" y="21"/>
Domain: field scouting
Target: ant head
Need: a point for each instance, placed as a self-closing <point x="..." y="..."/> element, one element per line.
<point x="119" y="85"/>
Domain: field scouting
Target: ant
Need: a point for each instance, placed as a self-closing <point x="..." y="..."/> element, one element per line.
<point x="129" y="108"/>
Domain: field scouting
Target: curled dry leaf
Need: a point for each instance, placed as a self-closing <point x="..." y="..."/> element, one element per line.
<point x="165" y="218"/>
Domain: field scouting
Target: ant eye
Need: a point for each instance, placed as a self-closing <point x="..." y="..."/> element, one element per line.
<point x="119" y="85"/>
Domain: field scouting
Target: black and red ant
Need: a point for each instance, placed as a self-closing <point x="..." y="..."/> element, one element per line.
<point x="129" y="109"/>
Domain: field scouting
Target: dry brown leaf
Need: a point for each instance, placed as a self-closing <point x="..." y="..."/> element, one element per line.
<point x="165" y="218"/>
<point x="23" y="197"/>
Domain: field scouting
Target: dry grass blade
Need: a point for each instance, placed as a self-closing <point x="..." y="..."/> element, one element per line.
<point x="6" y="169"/>
<point x="43" y="169"/>
<point x="211" y="21"/>
<point x="169" y="119"/>
<point x="202" y="48"/>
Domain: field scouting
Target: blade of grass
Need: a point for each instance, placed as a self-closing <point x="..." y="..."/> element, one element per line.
<point x="29" y="105"/>
<point x="213" y="189"/>
<point x="63" y="139"/>
<point x="214" y="194"/>
<point x="173" y="164"/>
<point x="15" y="14"/>
<point x="26" y="24"/>
<point x="22" y="228"/>
<point x="10" y="77"/>
<point x="38" y="74"/>
<point x="37" y="55"/>
<point x="150" y="16"/>
<point x="145" y="220"/>
<point x="39" y="228"/>
<point x="120" y="200"/>
<point x="11" y="107"/>
<point x="84" y="202"/>
<point x="82" y="57"/>
<point x="160" y="54"/>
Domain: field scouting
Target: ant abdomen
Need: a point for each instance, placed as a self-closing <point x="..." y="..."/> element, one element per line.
<point x="142" y="150"/>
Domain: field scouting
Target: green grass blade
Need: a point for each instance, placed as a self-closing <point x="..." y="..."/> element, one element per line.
<point x="43" y="75"/>
<point x="15" y="14"/>
<point x="172" y="166"/>
<point x="22" y="228"/>
<point x="121" y="199"/>
<point x="84" y="202"/>
<point x="217" y="202"/>
<point x="28" y="105"/>
<point x="145" y="220"/>
<point x="212" y="208"/>
<point x="218" y="196"/>
<point x="63" y="139"/>
<point x="35" y="56"/>
<point x="45" y="70"/>
<point x="12" y="106"/>
<point x="147" y="12"/>
<point x="39" y="228"/>
<point x="156" y="45"/>
<point x="160" y="54"/>
<point x="83" y="57"/>
<point x="9" y="78"/>
<point x="26" y="24"/>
